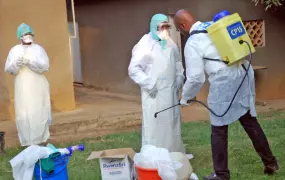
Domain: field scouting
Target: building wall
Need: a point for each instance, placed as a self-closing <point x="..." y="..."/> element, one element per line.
<point x="269" y="83"/>
<point x="109" y="30"/>
<point x="49" y="21"/>
<point x="4" y="94"/>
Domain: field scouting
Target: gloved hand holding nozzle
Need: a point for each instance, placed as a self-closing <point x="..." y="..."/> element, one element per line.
<point x="184" y="103"/>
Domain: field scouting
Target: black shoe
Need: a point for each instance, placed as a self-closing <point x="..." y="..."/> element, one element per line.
<point x="271" y="169"/>
<point x="212" y="177"/>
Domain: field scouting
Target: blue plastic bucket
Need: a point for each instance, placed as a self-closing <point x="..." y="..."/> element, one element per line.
<point x="60" y="171"/>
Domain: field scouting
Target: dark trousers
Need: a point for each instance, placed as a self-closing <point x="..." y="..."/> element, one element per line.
<point x="219" y="141"/>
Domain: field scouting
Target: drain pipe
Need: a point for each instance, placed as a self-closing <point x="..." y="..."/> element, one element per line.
<point x="73" y="19"/>
<point x="74" y="32"/>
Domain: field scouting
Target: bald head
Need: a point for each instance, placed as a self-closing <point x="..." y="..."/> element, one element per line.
<point x="183" y="21"/>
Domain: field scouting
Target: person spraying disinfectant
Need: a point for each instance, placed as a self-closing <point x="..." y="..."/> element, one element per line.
<point x="216" y="48"/>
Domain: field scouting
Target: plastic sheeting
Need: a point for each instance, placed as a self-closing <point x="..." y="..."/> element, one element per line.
<point x="152" y="157"/>
<point x="23" y="164"/>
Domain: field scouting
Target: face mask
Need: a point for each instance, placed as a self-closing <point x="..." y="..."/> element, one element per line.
<point x="27" y="39"/>
<point x="163" y="35"/>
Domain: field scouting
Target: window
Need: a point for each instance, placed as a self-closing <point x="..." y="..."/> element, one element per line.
<point x="256" y="32"/>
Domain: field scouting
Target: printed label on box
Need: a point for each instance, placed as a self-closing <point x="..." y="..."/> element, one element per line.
<point x="115" y="169"/>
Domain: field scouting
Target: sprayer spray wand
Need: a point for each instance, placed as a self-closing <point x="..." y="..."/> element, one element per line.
<point x="203" y="104"/>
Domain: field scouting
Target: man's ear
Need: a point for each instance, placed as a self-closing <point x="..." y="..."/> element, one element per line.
<point x="182" y="26"/>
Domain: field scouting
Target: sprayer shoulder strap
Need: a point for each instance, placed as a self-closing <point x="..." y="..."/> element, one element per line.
<point x="198" y="32"/>
<point x="205" y="32"/>
<point x="243" y="66"/>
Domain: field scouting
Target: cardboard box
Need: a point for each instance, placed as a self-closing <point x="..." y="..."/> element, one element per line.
<point x="115" y="164"/>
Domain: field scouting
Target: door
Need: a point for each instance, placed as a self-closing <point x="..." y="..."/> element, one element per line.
<point x="75" y="53"/>
<point x="174" y="34"/>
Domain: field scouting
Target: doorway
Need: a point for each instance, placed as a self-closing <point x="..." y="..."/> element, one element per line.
<point x="180" y="41"/>
<point x="75" y="53"/>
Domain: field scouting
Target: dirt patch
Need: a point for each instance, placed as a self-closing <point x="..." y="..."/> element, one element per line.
<point x="102" y="113"/>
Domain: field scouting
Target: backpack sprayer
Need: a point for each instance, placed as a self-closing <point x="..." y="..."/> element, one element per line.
<point x="233" y="44"/>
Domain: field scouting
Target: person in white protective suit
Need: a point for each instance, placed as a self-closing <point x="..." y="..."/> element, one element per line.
<point x="28" y="61"/>
<point x="156" y="67"/>
<point x="224" y="81"/>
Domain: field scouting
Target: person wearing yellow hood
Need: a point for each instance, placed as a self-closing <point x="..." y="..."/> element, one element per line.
<point x="28" y="61"/>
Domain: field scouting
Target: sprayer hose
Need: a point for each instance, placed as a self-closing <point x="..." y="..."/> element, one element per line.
<point x="246" y="73"/>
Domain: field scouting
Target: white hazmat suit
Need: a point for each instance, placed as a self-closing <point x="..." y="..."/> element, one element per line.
<point x="155" y="66"/>
<point x="224" y="80"/>
<point x="32" y="97"/>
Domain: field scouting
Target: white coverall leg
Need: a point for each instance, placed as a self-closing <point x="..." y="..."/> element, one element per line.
<point x="152" y="65"/>
<point x="32" y="96"/>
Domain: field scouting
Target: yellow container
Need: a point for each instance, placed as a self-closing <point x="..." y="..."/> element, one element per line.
<point x="226" y="34"/>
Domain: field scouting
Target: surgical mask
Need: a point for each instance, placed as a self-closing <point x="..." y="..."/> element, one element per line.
<point x="163" y="35"/>
<point x="27" y="39"/>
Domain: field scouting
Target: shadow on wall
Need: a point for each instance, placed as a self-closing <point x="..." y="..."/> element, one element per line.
<point x="4" y="103"/>
<point x="108" y="31"/>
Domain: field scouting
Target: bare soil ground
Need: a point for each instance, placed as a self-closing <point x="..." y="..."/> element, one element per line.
<point x="99" y="113"/>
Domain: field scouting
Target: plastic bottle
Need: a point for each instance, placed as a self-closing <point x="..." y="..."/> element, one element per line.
<point x="71" y="149"/>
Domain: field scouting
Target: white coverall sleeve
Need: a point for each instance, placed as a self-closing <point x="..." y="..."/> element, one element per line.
<point x="194" y="71"/>
<point x="40" y="61"/>
<point x="10" y="65"/>
<point x="179" y="70"/>
<point x="138" y="64"/>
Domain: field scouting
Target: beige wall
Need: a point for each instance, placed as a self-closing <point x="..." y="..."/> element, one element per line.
<point x="4" y="94"/>
<point x="49" y="21"/>
<point x="109" y="30"/>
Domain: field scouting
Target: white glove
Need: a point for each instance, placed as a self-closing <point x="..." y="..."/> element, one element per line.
<point x="194" y="177"/>
<point x="25" y="61"/>
<point x="178" y="86"/>
<point x="183" y="103"/>
<point x="19" y="62"/>
<point x="178" y="83"/>
<point x="153" y="92"/>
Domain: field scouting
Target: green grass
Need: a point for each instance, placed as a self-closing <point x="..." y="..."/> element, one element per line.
<point x="243" y="161"/>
